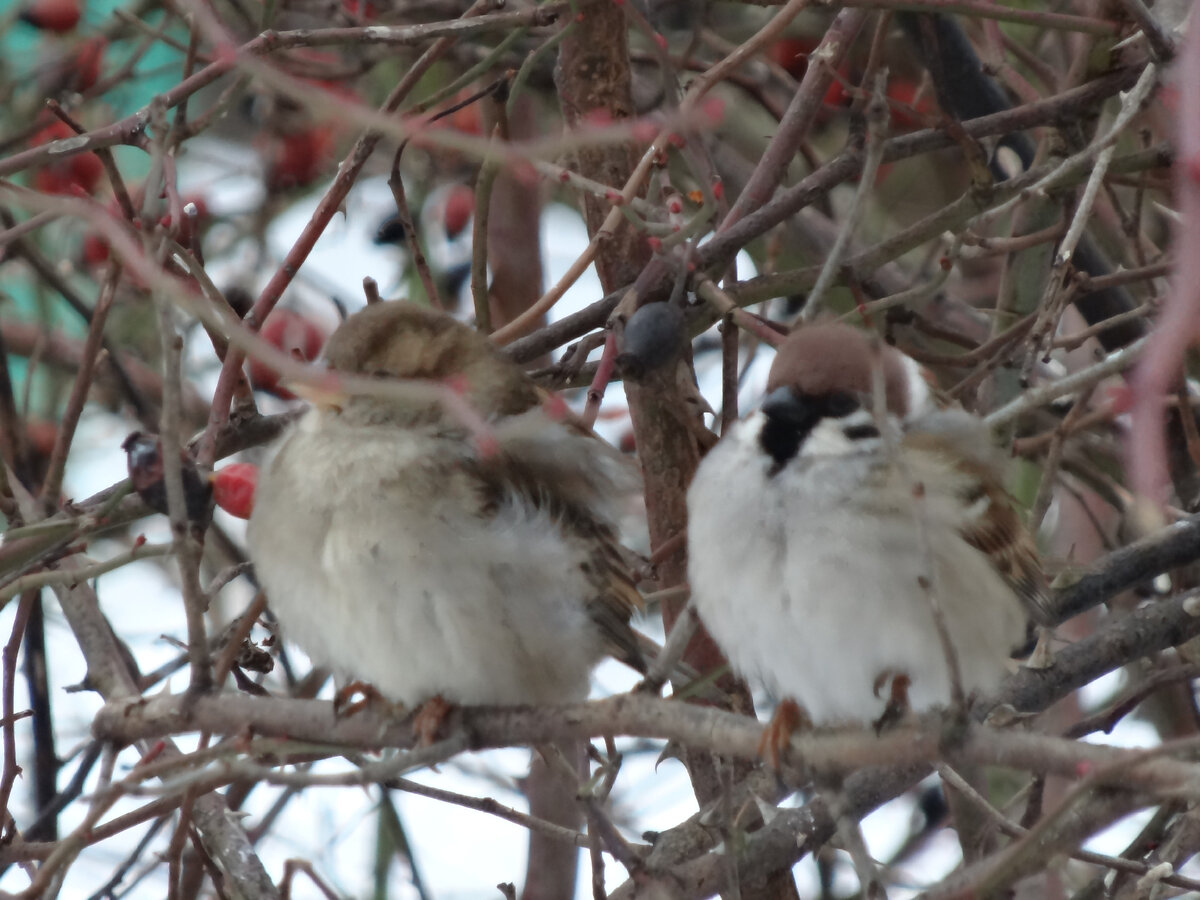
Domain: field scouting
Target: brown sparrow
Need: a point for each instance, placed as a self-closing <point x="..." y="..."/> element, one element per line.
<point x="394" y="550"/>
<point x="821" y="533"/>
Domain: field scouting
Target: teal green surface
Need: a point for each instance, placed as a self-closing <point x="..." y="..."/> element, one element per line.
<point x="24" y="48"/>
<point x="25" y="55"/>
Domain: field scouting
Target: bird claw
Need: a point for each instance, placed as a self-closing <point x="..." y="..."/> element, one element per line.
<point x="345" y="703"/>
<point x="897" y="706"/>
<point x="429" y="718"/>
<point x="789" y="717"/>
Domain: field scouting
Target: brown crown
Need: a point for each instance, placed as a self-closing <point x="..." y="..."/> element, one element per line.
<point x="827" y="358"/>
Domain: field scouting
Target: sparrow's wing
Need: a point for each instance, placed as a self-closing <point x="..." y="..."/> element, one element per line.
<point x="998" y="532"/>
<point x="580" y="481"/>
<point x="989" y="522"/>
<point x="615" y="600"/>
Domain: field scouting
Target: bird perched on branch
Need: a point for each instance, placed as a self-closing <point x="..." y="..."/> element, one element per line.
<point x="447" y="538"/>
<point x="830" y="529"/>
<point x="144" y="460"/>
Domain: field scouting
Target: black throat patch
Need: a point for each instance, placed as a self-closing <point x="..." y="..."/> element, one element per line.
<point x="792" y="417"/>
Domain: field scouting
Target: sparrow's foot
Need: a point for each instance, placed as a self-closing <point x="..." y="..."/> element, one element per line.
<point x="789" y="718"/>
<point x="353" y="697"/>
<point x="897" y="706"/>
<point x="429" y="718"/>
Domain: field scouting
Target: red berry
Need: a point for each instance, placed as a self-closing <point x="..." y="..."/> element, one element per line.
<point x="300" y="158"/>
<point x="713" y="109"/>
<point x="467" y="120"/>
<point x="360" y="9"/>
<point x="55" y="131"/>
<point x="835" y="94"/>
<point x="460" y="206"/>
<point x="95" y="250"/>
<point x="293" y="334"/>
<point x="40" y="435"/>
<point x="85" y="68"/>
<point x="792" y="54"/>
<point x="233" y="489"/>
<point x="906" y="115"/>
<point x="66" y="173"/>
<point x="52" y="15"/>
<point x="189" y="222"/>
<point x="51" y="181"/>
<point x="86" y="170"/>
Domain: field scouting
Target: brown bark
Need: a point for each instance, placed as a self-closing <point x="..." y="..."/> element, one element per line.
<point x="514" y="252"/>
<point x="552" y="868"/>
<point x="515" y="263"/>
<point x="594" y="83"/>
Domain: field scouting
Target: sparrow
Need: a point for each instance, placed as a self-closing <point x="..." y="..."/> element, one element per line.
<point x="826" y="524"/>
<point x="398" y="548"/>
<point x="144" y="461"/>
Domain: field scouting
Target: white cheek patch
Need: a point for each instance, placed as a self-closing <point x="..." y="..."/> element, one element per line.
<point x="828" y="438"/>
<point x="849" y="435"/>
<point x="920" y="398"/>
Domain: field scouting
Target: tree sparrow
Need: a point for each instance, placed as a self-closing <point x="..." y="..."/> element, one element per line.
<point x="826" y="527"/>
<point x="396" y="550"/>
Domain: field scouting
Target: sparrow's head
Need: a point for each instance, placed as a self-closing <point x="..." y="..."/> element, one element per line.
<point x="399" y="339"/>
<point x="832" y="359"/>
<point x="143" y="456"/>
<point x="824" y="372"/>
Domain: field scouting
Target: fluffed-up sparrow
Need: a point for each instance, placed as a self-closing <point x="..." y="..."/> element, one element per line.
<point x="822" y="533"/>
<point x="399" y="550"/>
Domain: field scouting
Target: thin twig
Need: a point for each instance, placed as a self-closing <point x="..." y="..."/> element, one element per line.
<point x="1037" y="396"/>
<point x="877" y="119"/>
<point x="52" y="483"/>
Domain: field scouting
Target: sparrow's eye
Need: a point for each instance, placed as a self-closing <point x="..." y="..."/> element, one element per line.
<point x="840" y="404"/>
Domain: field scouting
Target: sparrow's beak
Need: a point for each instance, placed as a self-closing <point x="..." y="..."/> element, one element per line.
<point x="325" y="397"/>
<point x="784" y="405"/>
